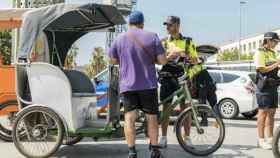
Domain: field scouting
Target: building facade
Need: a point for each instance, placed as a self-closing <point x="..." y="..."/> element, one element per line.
<point x="248" y="45"/>
<point x="38" y="3"/>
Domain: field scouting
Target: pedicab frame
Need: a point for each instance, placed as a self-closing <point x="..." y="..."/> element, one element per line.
<point x="52" y="88"/>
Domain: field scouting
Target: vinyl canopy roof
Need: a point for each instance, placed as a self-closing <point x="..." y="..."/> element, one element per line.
<point x="63" y="24"/>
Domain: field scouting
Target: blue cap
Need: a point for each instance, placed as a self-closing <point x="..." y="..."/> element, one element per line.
<point x="136" y="17"/>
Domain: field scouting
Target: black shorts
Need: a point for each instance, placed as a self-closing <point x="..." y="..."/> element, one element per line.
<point x="145" y="100"/>
<point x="168" y="87"/>
<point x="268" y="100"/>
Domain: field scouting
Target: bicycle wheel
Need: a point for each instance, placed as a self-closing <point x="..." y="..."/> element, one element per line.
<point x="203" y="140"/>
<point x="38" y="132"/>
<point x="8" y="112"/>
<point x="275" y="143"/>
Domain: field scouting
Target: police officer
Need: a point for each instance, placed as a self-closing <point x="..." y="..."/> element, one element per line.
<point x="185" y="48"/>
<point x="267" y="66"/>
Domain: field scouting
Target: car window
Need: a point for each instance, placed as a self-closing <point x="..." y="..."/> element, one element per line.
<point x="229" y="77"/>
<point x="216" y="77"/>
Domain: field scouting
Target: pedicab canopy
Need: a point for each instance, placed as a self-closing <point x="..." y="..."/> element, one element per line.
<point x="207" y="50"/>
<point x="63" y="24"/>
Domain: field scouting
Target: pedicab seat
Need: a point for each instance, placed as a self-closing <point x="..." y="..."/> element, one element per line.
<point x="81" y="85"/>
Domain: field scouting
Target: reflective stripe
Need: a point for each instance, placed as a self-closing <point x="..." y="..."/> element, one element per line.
<point x="264" y="57"/>
<point x="181" y="44"/>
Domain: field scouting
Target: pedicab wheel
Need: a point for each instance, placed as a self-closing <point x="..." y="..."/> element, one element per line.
<point x="203" y="140"/>
<point x="275" y="143"/>
<point x="7" y="116"/>
<point x="38" y="132"/>
<point x="72" y="140"/>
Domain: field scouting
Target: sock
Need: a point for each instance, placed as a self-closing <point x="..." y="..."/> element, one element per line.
<point x="270" y="139"/>
<point x="132" y="150"/>
<point x="261" y="140"/>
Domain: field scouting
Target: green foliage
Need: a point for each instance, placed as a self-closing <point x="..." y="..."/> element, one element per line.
<point x="97" y="62"/>
<point x="233" y="56"/>
<point x="70" y="61"/>
<point x="5" y="46"/>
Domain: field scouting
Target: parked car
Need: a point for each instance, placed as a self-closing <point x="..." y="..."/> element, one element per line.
<point x="235" y="92"/>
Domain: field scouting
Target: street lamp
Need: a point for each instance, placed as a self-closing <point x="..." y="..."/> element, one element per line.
<point x="240" y="29"/>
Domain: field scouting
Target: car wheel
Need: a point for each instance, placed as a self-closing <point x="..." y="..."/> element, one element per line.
<point x="250" y="114"/>
<point x="228" y="109"/>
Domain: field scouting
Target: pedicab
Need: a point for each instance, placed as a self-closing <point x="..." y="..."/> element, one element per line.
<point x="59" y="105"/>
<point x="9" y="19"/>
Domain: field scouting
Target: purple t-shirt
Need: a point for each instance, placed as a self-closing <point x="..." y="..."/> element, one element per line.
<point x="137" y="69"/>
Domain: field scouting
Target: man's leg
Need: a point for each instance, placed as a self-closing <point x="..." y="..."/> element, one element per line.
<point x="130" y="105"/>
<point x="149" y="104"/>
<point x="152" y="128"/>
<point x="165" y="123"/>
<point x="129" y="128"/>
<point x="188" y="121"/>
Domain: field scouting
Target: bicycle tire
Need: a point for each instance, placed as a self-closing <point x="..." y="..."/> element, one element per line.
<point x="191" y="150"/>
<point x="275" y="143"/>
<point x="36" y="110"/>
<point x="6" y="134"/>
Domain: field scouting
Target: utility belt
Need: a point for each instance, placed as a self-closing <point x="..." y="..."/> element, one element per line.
<point x="265" y="82"/>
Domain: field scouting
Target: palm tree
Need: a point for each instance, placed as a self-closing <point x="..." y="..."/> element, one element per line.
<point x="97" y="62"/>
<point x="70" y="61"/>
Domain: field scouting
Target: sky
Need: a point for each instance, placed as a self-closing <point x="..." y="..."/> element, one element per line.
<point x="206" y="21"/>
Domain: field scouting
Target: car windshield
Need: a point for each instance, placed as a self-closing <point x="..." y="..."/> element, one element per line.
<point x="227" y="77"/>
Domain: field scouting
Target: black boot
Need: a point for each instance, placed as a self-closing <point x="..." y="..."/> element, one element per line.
<point x="155" y="153"/>
<point x="132" y="153"/>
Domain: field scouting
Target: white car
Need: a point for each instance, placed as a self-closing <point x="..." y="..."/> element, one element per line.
<point x="235" y="93"/>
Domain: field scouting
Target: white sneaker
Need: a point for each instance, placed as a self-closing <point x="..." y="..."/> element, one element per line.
<point x="188" y="141"/>
<point x="264" y="145"/>
<point x="163" y="141"/>
<point x="270" y="140"/>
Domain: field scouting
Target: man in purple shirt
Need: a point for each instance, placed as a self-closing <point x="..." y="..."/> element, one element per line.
<point x="137" y="51"/>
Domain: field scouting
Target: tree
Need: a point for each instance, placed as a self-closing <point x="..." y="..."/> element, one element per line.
<point x="97" y="62"/>
<point x="232" y="55"/>
<point x="5" y="47"/>
<point x="70" y="61"/>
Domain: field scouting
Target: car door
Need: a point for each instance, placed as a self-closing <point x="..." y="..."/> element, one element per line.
<point x="217" y="78"/>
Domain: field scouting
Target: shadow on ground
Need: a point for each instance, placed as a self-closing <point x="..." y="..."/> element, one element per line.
<point x="120" y="151"/>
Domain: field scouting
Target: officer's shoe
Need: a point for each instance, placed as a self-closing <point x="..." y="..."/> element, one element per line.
<point x="155" y="153"/>
<point x="132" y="155"/>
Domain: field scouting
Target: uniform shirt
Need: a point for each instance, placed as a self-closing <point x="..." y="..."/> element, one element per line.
<point x="263" y="57"/>
<point x="190" y="50"/>
<point x="137" y="69"/>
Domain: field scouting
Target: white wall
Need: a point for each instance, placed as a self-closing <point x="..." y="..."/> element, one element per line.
<point x="251" y="43"/>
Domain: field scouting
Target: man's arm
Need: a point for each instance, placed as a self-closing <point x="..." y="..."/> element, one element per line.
<point x="114" y="61"/>
<point x="113" y="54"/>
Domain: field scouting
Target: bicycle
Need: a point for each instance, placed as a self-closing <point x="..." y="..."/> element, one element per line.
<point x="275" y="143"/>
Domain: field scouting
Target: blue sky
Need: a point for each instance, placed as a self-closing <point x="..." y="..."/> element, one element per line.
<point x="208" y="22"/>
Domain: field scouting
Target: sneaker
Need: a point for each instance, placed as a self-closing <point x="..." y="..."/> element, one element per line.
<point x="156" y="154"/>
<point x="264" y="145"/>
<point x="163" y="141"/>
<point x="188" y="141"/>
<point x="270" y="140"/>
